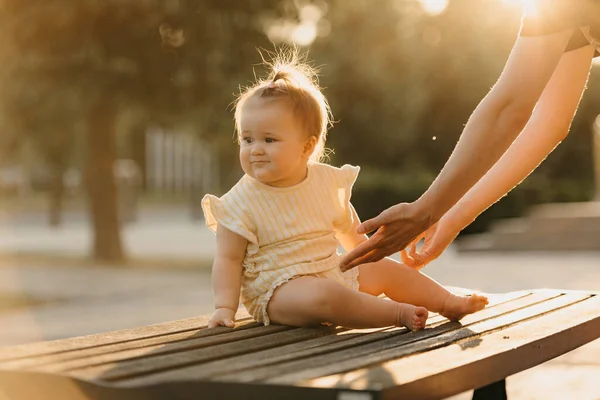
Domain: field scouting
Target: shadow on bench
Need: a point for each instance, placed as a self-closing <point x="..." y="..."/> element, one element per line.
<point x="185" y="360"/>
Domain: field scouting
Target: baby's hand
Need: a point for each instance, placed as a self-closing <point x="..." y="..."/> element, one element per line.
<point x="222" y="317"/>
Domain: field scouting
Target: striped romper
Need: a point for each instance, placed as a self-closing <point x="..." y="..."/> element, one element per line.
<point x="290" y="231"/>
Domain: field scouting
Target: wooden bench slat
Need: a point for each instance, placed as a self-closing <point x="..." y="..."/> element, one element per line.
<point x="72" y="359"/>
<point x="338" y="341"/>
<point x="120" y="336"/>
<point x="380" y="352"/>
<point x="273" y="357"/>
<point x="144" y="365"/>
<point x="166" y="358"/>
<point x="38" y="361"/>
<point x="121" y="339"/>
<point x="517" y="331"/>
<point x="161" y="351"/>
<point x="129" y="366"/>
<point x="262" y="359"/>
<point x="480" y="360"/>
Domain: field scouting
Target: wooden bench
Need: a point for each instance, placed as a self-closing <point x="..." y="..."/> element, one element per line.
<point x="184" y="360"/>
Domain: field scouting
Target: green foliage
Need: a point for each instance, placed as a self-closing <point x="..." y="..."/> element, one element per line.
<point x="173" y="59"/>
<point x="377" y="189"/>
<point x="402" y="84"/>
<point x="395" y="76"/>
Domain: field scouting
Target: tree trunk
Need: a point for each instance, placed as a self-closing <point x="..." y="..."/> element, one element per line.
<point x="101" y="183"/>
<point x="57" y="190"/>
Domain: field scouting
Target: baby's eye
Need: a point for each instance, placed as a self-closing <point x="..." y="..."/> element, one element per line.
<point x="246" y="139"/>
<point x="270" y="140"/>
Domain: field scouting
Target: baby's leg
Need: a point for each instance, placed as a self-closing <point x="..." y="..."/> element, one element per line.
<point x="308" y="300"/>
<point x="406" y="285"/>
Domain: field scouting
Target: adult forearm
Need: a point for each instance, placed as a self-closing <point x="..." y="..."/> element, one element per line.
<point x="548" y="126"/>
<point x="488" y="133"/>
<point x="497" y="120"/>
<point x="514" y="166"/>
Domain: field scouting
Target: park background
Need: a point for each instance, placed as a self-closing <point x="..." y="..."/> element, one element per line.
<point x="116" y="118"/>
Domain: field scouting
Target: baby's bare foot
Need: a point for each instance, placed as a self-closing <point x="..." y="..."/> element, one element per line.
<point x="456" y="307"/>
<point x="412" y="317"/>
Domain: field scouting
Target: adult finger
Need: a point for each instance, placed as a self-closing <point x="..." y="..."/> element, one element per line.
<point x="413" y="245"/>
<point x="372" y="256"/>
<point x="350" y="259"/>
<point x="356" y="262"/>
<point x="424" y="257"/>
<point x="372" y="224"/>
<point x="406" y="259"/>
<point x="367" y="258"/>
<point x="413" y="249"/>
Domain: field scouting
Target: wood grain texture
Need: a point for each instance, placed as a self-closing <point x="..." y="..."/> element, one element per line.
<point x="338" y="340"/>
<point x="480" y="360"/>
<point x="471" y="329"/>
<point x="184" y="360"/>
<point x="272" y="335"/>
<point x="125" y="335"/>
<point x="79" y="355"/>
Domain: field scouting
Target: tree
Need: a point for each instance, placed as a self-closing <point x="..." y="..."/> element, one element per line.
<point x="173" y="60"/>
<point x="402" y="83"/>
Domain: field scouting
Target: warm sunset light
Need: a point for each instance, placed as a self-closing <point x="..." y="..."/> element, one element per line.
<point x="300" y="199"/>
<point x="304" y="34"/>
<point x="528" y="4"/>
<point x="514" y="2"/>
<point x="434" y="7"/>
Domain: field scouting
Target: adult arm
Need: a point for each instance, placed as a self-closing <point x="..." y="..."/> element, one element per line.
<point x="490" y="130"/>
<point x="548" y="126"/>
<point x="497" y="121"/>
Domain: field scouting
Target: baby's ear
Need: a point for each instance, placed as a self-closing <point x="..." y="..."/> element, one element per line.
<point x="309" y="146"/>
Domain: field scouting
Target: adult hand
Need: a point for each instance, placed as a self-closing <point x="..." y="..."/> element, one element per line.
<point x="396" y="228"/>
<point x="437" y="239"/>
<point x="222" y="317"/>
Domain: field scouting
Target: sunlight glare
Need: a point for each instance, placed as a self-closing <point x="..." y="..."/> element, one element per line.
<point x="304" y="34"/>
<point x="514" y="2"/>
<point x="434" y="7"/>
<point x="528" y="5"/>
<point x="310" y="13"/>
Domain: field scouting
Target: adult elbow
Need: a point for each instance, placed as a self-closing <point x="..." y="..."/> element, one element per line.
<point x="515" y="115"/>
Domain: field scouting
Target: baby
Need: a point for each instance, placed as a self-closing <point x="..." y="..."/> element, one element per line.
<point x="278" y="229"/>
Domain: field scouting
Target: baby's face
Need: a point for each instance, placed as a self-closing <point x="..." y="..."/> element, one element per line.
<point x="273" y="148"/>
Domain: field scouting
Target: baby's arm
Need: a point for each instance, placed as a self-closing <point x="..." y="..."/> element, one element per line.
<point x="350" y="239"/>
<point x="227" y="276"/>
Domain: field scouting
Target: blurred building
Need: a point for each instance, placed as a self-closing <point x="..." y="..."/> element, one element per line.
<point x="179" y="163"/>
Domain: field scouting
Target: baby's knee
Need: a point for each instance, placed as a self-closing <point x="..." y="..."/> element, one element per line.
<point x="326" y="295"/>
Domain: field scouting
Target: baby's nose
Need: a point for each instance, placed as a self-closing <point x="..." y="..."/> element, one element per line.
<point x="257" y="149"/>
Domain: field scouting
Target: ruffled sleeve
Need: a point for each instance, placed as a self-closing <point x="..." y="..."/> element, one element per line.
<point x="222" y="211"/>
<point x="344" y="180"/>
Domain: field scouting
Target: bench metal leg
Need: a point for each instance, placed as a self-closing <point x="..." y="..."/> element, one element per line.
<point x="494" y="391"/>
